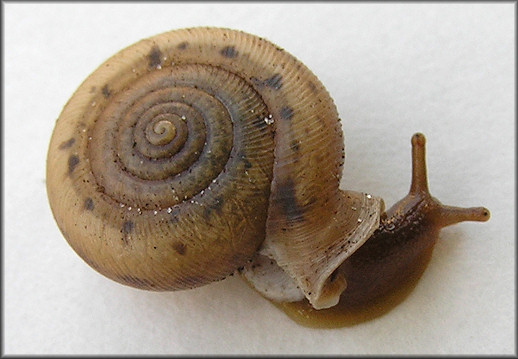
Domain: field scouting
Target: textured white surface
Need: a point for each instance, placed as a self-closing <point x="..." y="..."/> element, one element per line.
<point x="446" y="70"/>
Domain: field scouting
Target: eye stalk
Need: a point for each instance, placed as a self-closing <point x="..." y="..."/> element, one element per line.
<point x="442" y="215"/>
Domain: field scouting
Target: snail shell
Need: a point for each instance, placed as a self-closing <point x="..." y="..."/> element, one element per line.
<point x="197" y="152"/>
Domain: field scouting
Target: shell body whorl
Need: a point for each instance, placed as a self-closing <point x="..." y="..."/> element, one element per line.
<point x="176" y="159"/>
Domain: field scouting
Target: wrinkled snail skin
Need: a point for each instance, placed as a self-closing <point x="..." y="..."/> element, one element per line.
<point x="200" y="152"/>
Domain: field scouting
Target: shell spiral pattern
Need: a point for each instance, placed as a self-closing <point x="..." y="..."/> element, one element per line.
<point x="175" y="160"/>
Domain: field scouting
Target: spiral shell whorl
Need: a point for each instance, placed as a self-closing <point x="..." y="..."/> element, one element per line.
<point x="147" y="175"/>
<point x="178" y="156"/>
<point x="148" y="155"/>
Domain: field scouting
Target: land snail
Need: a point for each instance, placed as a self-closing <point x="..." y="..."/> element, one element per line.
<point x="204" y="152"/>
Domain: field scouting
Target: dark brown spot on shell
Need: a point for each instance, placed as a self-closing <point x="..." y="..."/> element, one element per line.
<point x="89" y="204"/>
<point x="92" y="89"/>
<point x="154" y="57"/>
<point x="127" y="227"/>
<point x="229" y="51"/>
<point x="288" y="201"/>
<point x="286" y="113"/>
<point x="312" y="86"/>
<point x="216" y="205"/>
<point x="106" y="91"/>
<point x="179" y="247"/>
<point x="247" y="163"/>
<point x="275" y="82"/>
<point x="67" y="144"/>
<point x="72" y="163"/>
<point x="295" y="146"/>
<point x="174" y="215"/>
<point x="183" y="45"/>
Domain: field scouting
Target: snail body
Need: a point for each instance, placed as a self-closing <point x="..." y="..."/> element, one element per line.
<point x="200" y="152"/>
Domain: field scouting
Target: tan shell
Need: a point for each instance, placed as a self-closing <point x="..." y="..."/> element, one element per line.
<point x="175" y="160"/>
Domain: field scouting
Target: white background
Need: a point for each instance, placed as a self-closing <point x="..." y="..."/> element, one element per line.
<point x="393" y="69"/>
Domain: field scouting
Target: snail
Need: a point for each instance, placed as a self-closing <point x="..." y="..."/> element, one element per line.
<point x="203" y="152"/>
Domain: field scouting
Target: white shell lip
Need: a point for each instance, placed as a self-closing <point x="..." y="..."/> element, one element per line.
<point x="271" y="281"/>
<point x="284" y="283"/>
